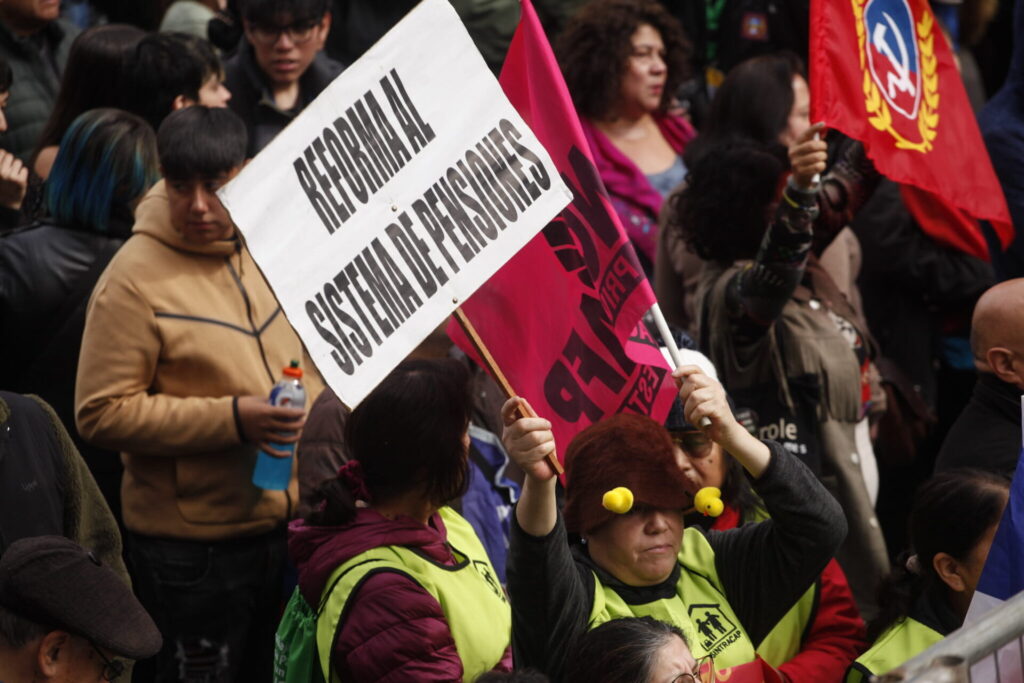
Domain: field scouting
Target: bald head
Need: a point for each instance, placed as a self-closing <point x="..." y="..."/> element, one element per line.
<point x="997" y="332"/>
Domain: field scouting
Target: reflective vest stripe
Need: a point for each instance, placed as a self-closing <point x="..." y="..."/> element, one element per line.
<point x="472" y="600"/>
<point x="901" y="641"/>
<point x="786" y="638"/>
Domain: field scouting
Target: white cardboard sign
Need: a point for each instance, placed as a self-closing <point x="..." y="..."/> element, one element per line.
<point x="392" y="197"/>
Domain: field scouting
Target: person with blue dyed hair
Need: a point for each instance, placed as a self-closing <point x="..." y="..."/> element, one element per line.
<point x="107" y="161"/>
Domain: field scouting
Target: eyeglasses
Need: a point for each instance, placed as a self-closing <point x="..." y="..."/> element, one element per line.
<point x="298" y="34"/>
<point x="694" y="444"/>
<point x="703" y="672"/>
<point x="112" y="668"/>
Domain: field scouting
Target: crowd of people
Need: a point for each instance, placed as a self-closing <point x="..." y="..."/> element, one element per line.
<point x="849" y="399"/>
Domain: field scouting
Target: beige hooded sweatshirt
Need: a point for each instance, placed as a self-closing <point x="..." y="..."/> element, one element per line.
<point x="174" y="332"/>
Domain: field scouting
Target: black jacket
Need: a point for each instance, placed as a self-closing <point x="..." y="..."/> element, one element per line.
<point x="46" y="276"/>
<point x="746" y="29"/>
<point x="45" y="488"/>
<point x="251" y="98"/>
<point x="911" y="286"/>
<point x="987" y="433"/>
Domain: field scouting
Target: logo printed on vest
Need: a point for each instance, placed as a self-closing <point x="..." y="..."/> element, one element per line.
<point x="485" y="571"/>
<point x="715" y="630"/>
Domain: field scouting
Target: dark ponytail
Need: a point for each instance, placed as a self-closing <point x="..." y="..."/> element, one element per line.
<point x="333" y="504"/>
<point x="951" y="513"/>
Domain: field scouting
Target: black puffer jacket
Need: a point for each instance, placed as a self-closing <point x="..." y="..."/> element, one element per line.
<point x="47" y="273"/>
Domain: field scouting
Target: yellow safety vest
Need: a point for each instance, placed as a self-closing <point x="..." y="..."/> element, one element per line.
<point x="699" y="608"/>
<point x="473" y="602"/>
<point x="902" y="641"/>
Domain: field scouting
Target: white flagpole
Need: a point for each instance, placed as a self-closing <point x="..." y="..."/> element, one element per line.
<point x="670" y="344"/>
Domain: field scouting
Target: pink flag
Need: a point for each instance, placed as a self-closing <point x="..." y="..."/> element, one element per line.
<point x="562" y="318"/>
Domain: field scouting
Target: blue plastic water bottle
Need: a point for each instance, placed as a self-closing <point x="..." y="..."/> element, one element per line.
<point x="273" y="473"/>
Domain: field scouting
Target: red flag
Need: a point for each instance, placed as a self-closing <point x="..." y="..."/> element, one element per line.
<point x="883" y="73"/>
<point x="562" y="318"/>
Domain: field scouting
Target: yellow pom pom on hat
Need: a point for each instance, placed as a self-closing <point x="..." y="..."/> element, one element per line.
<point x="708" y="501"/>
<point x="619" y="500"/>
<point x="623" y="451"/>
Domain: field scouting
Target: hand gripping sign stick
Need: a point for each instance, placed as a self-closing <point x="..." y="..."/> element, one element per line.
<point x="673" y="349"/>
<point x="499" y="376"/>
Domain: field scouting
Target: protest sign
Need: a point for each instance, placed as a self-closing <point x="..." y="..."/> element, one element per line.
<point x="392" y="197"/>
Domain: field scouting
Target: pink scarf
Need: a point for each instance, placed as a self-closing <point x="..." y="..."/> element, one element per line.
<point x="627" y="185"/>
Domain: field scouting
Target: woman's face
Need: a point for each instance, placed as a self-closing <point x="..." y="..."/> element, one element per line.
<point x="674" y="663"/>
<point x="643" y="81"/>
<point x="800" y="115"/>
<point x="702" y="461"/>
<point x="640" y="547"/>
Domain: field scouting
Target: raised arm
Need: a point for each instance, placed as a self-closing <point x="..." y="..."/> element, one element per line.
<point x="765" y="567"/>
<point x="550" y="595"/>
<point x="704" y="398"/>
<point x="757" y="294"/>
<point x="529" y="441"/>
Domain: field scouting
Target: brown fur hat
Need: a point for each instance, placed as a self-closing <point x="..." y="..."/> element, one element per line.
<point x="623" y="450"/>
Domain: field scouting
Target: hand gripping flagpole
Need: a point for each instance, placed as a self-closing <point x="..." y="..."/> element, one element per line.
<point x="673" y="348"/>
<point x="816" y="180"/>
<point x="485" y="355"/>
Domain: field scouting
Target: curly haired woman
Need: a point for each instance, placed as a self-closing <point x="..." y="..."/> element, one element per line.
<point x="623" y="61"/>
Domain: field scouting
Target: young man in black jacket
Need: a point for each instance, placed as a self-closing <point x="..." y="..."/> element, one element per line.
<point x="279" y="68"/>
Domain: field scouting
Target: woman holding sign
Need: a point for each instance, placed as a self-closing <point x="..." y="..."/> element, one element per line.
<point x="398" y="583"/>
<point x="625" y="499"/>
<point x="623" y="61"/>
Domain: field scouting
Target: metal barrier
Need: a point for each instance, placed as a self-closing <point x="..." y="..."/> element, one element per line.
<point x="990" y="650"/>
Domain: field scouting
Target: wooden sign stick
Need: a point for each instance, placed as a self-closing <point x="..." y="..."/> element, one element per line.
<point x="498" y="375"/>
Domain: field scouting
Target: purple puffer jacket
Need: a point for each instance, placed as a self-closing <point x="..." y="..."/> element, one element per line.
<point x="394" y="630"/>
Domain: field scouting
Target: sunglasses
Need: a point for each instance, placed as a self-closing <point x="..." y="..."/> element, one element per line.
<point x="693" y="443"/>
<point x="703" y="672"/>
<point x="112" y="668"/>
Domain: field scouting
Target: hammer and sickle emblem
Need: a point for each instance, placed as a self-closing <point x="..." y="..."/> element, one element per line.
<point x="901" y="79"/>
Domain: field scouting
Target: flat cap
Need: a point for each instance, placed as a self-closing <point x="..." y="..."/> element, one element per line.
<point x="57" y="583"/>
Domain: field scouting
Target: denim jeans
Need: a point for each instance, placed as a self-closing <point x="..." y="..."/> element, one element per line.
<point x="216" y="605"/>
